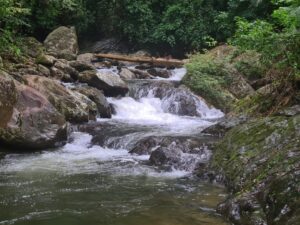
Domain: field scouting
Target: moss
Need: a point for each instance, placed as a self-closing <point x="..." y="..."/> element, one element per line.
<point x="262" y="156"/>
<point x="209" y="78"/>
<point x="219" y="75"/>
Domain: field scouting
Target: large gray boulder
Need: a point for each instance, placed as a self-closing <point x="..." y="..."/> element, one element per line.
<point x="97" y="97"/>
<point x="111" y="84"/>
<point x="62" y="43"/>
<point x="76" y="107"/>
<point x="27" y="118"/>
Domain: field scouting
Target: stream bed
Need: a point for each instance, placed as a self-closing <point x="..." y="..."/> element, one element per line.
<point x="100" y="182"/>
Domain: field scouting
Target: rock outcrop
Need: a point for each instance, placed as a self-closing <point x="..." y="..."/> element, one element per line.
<point x="27" y="119"/>
<point x="259" y="161"/>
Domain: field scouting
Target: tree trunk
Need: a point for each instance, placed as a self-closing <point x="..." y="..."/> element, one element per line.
<point x="150" y="60"/>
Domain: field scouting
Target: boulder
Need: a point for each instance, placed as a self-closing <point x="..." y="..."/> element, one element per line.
<point x="156" y="72"/>
<point x="126" y="74"/>
<point x="64" y="66"/>
<point x="163" y="156"/>
<point x="60" y="75"/>
<point x="81" y="66"/>
<point x="97" y="97"/>
<point x="27" y="118"/>
<point x="62" y="43"/>
<point x="86" y="57"/>
<point x="46" y="60"/>
<point x="260" y="162"/>
<point x="111" y="84"/>
<point x="74" y="106"/>
<point x="43" y="70"/>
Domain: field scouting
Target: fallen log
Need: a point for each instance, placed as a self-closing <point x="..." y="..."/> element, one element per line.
<point x="151" y="60"/>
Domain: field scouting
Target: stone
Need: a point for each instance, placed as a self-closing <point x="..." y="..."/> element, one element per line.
<point x="27" y="118"/>
<point x="160" y="72"/>
<point x="219" y="129"/>
<point x="126" y="74"/>
<point x="97" y="97"/>
<point x="290" y="111"/>
<point x="76" y="107"/>
<point x="163" y="156"/>
<point x="86" y="57"/>
<point x="259" y="160"/>
<point x="43" y="70"/>
<point x="1" y="62"/>
<point x="62" y="43"/>
<point x="46" y="60"/>
<point x="64" y="66"/>
<point x="81" y="66"/>
<point x="111" y="84"/>
<point x="60" y="75"/>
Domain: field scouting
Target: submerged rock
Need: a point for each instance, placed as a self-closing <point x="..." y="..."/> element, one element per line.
<point x="27" y="119"/>
<point x="74" y="106"/>
<point x="62" y="43"/>
<point x="111" y="84"/>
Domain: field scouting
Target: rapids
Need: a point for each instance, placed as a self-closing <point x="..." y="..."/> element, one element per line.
<point x="90" y="182"/>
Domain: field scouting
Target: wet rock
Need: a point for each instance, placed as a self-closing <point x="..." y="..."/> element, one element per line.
<point x="81" y="66"/>
<point x="98" y="97"/>
<point x="179" y="101"/>
<point x="62" y="43"/>
<point x="159" y="72"/>
<point x="186" y="144"/>
<point x="111" y="84"/>
<point x="46" y="60"/>
<point x="28" y="120"/>
<point x="290" y="111"/>
<point x="126" y="74"/>
<point x="260" y="161"/>
<point x="140" y="74"/>
<point x="165" y="156"/>
<point x="224" y="125"/>
<point x="74" y="106"/>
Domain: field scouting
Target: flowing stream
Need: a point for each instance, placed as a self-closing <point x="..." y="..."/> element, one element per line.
<point x="95" y="180"/>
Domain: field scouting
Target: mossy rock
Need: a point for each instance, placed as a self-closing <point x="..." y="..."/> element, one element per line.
<point x="214" y="77"/>
<point x="260" y="159"/>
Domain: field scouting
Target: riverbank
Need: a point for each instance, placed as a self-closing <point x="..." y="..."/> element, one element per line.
<point x="119" y="120"/>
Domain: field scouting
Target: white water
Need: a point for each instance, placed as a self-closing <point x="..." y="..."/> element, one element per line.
<point x="78" y="157"/>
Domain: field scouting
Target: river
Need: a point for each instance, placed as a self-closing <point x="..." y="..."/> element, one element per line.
<point x="95" y="180"/>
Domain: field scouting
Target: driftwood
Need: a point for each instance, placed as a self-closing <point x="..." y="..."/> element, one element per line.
<point x="151" y="60"/>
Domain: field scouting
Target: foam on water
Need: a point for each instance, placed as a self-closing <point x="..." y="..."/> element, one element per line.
<point x="149" y="111"/>
<point x="79" y="157"/>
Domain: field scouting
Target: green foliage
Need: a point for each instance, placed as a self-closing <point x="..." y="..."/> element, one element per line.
<point x="208" y="77"/>
<point x="278" y="40"/>
<point x="12" y="20"/>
